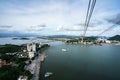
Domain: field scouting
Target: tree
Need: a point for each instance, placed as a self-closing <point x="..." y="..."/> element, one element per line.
<point x="9" y="73"/>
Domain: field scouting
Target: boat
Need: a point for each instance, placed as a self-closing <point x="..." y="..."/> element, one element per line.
<point x="64" y="50"/>
<point x="47" y="74"/>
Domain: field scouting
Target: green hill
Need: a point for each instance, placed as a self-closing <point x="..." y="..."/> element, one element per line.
<point x="116" y="37"/>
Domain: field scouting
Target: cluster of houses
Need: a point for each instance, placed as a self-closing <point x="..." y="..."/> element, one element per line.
<point x="29" y="51"/>
<point x="103" y="40"/>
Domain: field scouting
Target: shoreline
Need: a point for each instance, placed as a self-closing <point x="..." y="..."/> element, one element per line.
<point x="39" y="59"/>
<point x="35" y="66"/>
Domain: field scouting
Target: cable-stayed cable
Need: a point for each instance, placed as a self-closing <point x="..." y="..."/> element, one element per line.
<point x="88" y="11"/>
<point x="107" y="29"/>
<point x="89" y="14"/>
<point x="91" y="11"/>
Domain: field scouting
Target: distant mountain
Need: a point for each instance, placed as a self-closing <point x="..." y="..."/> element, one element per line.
<point x="116" y="37"/>
<point x="15" y="34"/>
<point x="67" y="36"/>
<point x="18" y="34"/>
<point x="60" y="36"/>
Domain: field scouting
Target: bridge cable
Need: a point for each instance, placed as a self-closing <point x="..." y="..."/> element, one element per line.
<point x="89" y="14"/>
<point x="111" y="27"/>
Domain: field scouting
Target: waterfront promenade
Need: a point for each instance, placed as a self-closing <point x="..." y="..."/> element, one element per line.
<point x="34" y="67"/>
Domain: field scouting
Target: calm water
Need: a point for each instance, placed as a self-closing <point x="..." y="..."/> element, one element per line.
<point x="82" y="63"/>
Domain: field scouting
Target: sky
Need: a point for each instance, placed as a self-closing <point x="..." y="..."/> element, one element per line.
<point x="58" y="17"/>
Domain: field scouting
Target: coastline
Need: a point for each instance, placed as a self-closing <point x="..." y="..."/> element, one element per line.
<point x="37" y="66"/>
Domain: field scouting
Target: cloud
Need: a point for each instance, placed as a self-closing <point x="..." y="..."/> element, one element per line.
<point x="6" y="26"/>
<point x="77" y="27"/>
<point x="91" y="24"/>
<point x="114" y="19"/>
<point x="42" y="25"/>
<point x="68" y="13"/>
<point x="3" y="30"/>
<point x="36" y="29"/>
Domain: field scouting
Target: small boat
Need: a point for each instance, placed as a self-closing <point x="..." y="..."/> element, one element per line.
<point x="64" y="50"/>
<point x="47" y="74"/>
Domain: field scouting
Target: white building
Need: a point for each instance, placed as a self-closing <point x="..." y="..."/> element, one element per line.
<point x="103" y="40"/>
<point x="23" y="78"/>
<point x="24" y="50"/>
<point x="31" y="54"/>
<point x="34" y="47"/>
<point x="100" y="40"/>
<point x="31" y="47"/>
<point x="40" y="45"/>
<point x="108" y="41"/>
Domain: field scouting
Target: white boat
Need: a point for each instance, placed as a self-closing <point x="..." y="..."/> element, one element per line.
<point x="64" y="50"/>
<point x="47" y="74"/>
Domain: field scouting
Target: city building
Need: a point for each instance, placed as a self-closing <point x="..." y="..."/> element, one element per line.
<point x="23" y="78"/>
<point x="100" y="40"/>
<point x="34" y="47"/>
<point x="40" y="45"/>
<point x="103" y="40"/>
<point x="107" y="41"/>
<point x="31" y="49"/>
<point x="31" y="54"/>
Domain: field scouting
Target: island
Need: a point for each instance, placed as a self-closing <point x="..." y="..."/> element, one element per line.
<point x="21" y="38"/>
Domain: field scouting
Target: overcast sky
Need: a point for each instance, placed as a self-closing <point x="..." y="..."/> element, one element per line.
<point x="55" y="17"/>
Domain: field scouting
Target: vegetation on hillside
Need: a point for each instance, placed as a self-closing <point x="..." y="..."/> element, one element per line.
<point x="9" y="72"/>
<point x="86" y="39"/>
<point x="9" y="48"/>
<point x="116" y="37"/>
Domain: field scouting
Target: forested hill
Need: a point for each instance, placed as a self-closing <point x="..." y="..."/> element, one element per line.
<point x="116" y="37"/>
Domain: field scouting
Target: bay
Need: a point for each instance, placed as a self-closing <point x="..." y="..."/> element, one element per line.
<point x="81" y="62"/>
